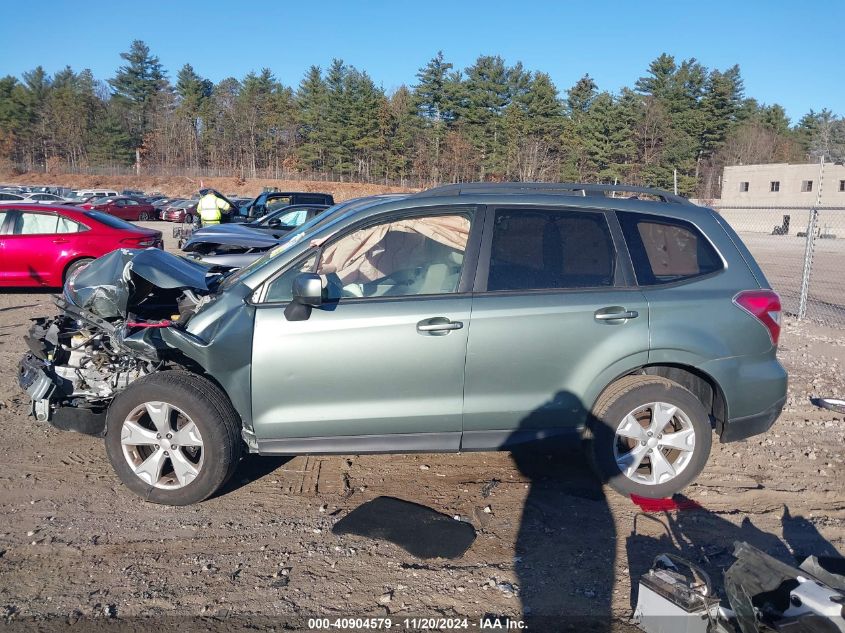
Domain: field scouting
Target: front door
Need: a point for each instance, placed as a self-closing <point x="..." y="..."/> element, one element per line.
<point x="381" y="368"/>
<point x="552" y="317"/>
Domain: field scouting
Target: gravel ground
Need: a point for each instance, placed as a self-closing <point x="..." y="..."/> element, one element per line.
<point x="551" y="544"/>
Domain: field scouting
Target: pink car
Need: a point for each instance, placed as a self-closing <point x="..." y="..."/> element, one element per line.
<point x="42" y="245"/>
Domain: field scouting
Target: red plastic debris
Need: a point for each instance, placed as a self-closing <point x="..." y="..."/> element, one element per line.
<point x="678" y="502"/>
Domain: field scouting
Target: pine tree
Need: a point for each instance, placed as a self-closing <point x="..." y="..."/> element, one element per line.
<point x="311" y="107"/>
<point x="109" y="144"/>
<point x="194" y="94"/>
<point x="430" y="93"/>
<point x="137" y="85"/>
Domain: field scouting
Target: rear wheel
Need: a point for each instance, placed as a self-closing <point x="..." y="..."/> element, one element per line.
<point x="189" y="219"/>
<point x="143" y="216"/>
<point x="173" y="438"/>
<point x="74" y="266"/>
<point x="651" y="437"/>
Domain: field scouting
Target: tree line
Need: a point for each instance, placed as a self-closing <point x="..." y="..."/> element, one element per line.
<point x="490" y="121"/>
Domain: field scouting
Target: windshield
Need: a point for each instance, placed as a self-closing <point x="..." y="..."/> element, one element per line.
<point x="110" y="220"/>
<point x="100" y="200"/>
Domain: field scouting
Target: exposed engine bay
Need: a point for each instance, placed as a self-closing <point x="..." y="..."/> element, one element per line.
<point x="108" y="333"/>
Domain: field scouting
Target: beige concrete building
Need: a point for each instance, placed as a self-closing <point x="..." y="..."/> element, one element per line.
<point x="757" y="198"/>
<point x="782" y="185"/>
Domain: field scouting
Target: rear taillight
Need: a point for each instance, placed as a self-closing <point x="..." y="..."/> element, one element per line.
<point x="764" y="305"/>
<point x="139" y="242"/>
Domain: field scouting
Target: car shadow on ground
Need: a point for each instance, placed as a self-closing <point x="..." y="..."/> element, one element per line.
<point x="566" y="544"/>
<point x="251" y="469"/>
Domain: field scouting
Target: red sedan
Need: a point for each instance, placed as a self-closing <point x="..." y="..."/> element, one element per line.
<point x="123" y="208"/>
<point x="180" y="211"/>
<point x="41" y="245"/>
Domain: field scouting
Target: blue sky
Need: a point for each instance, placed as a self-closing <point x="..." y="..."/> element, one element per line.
<point x="789" y="52"/>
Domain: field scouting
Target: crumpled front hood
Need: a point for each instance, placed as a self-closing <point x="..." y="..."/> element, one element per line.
<point x="108" y="285"/>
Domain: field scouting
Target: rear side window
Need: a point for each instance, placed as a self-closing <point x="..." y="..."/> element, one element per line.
<point x="666" y="250"/>
<point x="536" y="249"/>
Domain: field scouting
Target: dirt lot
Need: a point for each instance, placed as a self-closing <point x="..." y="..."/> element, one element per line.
<point x="551" y="543"/>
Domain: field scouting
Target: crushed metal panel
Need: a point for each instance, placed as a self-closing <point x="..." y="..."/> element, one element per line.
<point x="105" y="286"/>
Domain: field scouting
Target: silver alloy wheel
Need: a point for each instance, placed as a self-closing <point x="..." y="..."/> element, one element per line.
<point x="654" y="443"/>
<point x="162" y="445"/>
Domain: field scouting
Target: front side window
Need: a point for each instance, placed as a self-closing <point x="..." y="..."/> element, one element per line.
<point x="408" y="256"/>
<point x="664" y="250"/>
<point x="550" y="249"/>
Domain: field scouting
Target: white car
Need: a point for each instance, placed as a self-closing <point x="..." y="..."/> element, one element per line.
<point x="43" y="198"/>
<point x="83" y="194"/>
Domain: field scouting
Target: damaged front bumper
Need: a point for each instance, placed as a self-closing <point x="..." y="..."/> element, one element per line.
<point x="37" y="378"/>
<point x="107" y="334"/>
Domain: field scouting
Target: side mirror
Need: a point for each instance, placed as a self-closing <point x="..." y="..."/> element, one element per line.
<point x="307" y="293"/>
<point x="308" y="289"/>
<point x="274" y="223"/>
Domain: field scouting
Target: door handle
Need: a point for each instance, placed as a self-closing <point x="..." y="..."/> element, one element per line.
<point x="618" y="314"/>
<point x="60" y="240"/>
<point x="438" y="326"/>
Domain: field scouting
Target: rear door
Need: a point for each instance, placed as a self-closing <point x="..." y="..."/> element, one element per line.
<point x="118" y="209"/>
<point x="554" y="313"/>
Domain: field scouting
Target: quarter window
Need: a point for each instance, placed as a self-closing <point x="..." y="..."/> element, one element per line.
<point x="665" y="250"/>
<point x="550" y="249"/>
<point x="281" y="288"/>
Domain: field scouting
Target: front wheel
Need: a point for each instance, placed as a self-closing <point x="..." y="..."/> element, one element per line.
<point x="650" y="436"/>
<point x="173" y="438"/>
<point x="143" y="216"/>
<point x="189" y="219"/>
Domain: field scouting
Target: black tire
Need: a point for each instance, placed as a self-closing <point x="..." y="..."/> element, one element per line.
<point x="211" y="411"/>
<point x="143" y="216"/>
<point x="189" y="219"/>
<point x="74" y="266"/>
<point x="624" y="397"/>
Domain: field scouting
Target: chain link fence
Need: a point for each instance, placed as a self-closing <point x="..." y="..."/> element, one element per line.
<point x="802" y="252"/>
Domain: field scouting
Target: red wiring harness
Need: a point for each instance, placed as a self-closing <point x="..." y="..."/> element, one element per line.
<point x="148" y="324"/>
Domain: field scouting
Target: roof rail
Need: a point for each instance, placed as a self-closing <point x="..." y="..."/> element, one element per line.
<point x="568" y="188"/>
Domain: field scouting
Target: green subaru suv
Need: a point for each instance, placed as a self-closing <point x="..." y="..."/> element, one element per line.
<point x="467" y="317"/>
